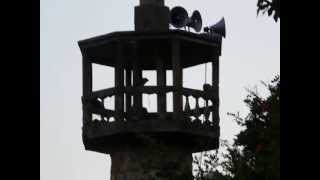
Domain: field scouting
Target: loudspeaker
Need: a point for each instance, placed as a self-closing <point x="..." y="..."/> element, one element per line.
<point x="195" y="21"/>
<point x="179" y="18"/>
<point x="218" y="28"/>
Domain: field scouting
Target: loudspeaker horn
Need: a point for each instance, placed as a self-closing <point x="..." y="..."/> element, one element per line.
<point x="195" y="21"/>
<point x="179" y="17"/>
<point x="218" y="28"/>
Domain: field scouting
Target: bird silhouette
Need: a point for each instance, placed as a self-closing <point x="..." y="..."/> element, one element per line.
<point x="208" y="88"/>
<point x="141" y="82"/>
<point x="136" y="113"/>
<point x="97" y="104"/>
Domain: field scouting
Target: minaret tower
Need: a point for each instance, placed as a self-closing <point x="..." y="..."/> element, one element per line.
<point x="150" y="145"/>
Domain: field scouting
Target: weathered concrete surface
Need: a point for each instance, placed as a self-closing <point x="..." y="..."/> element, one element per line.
<point x="152" y="2"/>
<point x="151" y="163"/>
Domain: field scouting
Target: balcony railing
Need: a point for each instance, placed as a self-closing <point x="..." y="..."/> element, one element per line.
<point x="94" y="103"/>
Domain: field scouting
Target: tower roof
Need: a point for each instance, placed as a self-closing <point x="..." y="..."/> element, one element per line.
<point x="196" y="48"/>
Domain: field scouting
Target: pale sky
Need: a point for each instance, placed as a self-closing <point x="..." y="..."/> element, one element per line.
<point x="250" y="53"/>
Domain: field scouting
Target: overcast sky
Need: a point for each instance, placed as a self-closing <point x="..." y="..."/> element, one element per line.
<point x="250" y="53"/>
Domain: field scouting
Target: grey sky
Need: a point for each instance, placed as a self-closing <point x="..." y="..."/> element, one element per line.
<point x="250" y="53"/>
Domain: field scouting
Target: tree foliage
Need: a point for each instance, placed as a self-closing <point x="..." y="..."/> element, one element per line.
<point x="255" y="153"/>
<point x="270" y="6"/>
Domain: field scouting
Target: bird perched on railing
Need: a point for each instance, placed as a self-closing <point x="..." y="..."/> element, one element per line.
<point x="141" y="82"/>
<point x="208" y="88"/>
<point x="137" y="113"/>
<point x="96" y="104"/>
<point x="93" y="103"/>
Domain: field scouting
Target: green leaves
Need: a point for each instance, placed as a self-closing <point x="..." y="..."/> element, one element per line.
<point x="272" y="7"/>
<point x="255" y="153"/>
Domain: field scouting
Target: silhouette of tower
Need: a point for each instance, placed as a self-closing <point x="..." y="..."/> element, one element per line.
<point x="145" y="145"/>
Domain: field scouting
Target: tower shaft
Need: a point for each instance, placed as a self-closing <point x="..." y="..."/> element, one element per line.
<point x="151" y="163"/>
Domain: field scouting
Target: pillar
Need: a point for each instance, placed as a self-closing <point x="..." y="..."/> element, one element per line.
<point x="177" y="78"/>
<point x="86" y="87"/>
<point x="128" y="84"/>
<point x="146" y="164"/>
<point x="119" y="82"/>
<point x="152" y="2"/>
<point x="137" y="77"/>
<point x="215" y="84"/>
<point x="161" y="83"/>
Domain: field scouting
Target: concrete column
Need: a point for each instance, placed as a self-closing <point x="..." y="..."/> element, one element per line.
<point x="152" y="2"/>
<point x="151" y="164"/>
<point x="215" y="84"/>
<point x="86" y="87"/>
<point x="119" y="82"/>
<point x="177" y="78"/>
<point x="161" y="83"/>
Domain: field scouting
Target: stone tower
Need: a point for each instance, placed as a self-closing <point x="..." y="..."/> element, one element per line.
<point x="150" y="145"/>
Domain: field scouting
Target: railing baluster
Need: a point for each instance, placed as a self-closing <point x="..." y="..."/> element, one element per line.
<point x="187" y="105"/>
<point x="188" y="111"/>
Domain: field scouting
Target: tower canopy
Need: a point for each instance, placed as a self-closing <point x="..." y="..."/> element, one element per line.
<point x="195" y="48"/>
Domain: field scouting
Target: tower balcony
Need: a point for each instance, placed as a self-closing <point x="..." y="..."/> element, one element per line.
<point x="199" y="122"/>
<point x="130" y="53"/>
